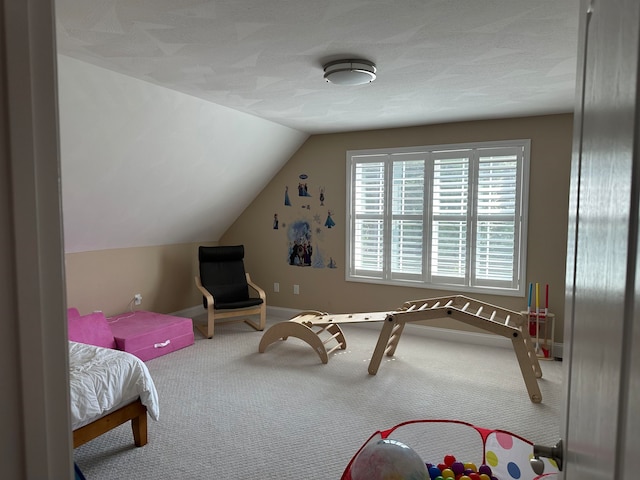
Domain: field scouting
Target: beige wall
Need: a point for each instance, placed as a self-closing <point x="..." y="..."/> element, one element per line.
<point x="322" y="159"/>
<point x="107" y="280"/>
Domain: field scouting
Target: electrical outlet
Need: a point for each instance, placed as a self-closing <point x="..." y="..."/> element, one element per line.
<point x="137" y="299"/>
<point x="276" y="287"/>
<point x="296" y="289"/>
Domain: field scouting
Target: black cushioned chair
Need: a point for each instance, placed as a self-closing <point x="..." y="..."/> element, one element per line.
<point x="226" y="288"/>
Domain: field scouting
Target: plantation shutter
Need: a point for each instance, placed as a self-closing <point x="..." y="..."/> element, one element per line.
<point x="450" y="220"/>
<point x="497" y="219"/>
<point x="407" y="217"/>
<point x="368" y="213"/>
<point x="449" y="217"/>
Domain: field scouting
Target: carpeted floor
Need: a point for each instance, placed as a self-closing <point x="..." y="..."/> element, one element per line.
<point x="228" y="412"/>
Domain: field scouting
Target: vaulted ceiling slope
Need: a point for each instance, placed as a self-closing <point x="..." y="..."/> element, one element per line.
<point x="143" y="165"/>
<point x="438" y="60"/>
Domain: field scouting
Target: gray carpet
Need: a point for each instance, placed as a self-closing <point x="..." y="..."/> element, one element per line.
<point x="229" y="412"/>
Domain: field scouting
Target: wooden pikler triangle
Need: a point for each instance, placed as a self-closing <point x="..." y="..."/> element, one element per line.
<point x="323" y="333"/>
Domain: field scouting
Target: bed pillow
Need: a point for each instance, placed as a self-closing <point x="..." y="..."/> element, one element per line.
<point x="92" y="329"/>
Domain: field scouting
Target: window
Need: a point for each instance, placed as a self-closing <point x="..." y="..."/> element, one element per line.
<point x="444" y="217"/>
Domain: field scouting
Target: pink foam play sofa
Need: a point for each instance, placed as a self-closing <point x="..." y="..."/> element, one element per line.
<point x="145" y="334"/>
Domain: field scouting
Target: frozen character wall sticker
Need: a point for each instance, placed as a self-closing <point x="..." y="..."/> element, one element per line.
<point x="303" y="188"/>
<point x="287" y="202"/>
<point x="329" y="223"/>
<point x="300" y="249"/>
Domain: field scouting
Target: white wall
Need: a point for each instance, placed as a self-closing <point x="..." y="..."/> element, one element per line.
<point x="143" y="165"/>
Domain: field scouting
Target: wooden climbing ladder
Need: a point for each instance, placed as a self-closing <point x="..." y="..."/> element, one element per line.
<point x="320" y="329"/>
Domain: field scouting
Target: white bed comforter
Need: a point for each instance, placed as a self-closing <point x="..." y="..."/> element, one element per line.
<point x="103" y="380"/>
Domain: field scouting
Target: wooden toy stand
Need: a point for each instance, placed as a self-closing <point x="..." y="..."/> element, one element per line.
<point x="542" y="333"/>
<point x="308" y="326"/>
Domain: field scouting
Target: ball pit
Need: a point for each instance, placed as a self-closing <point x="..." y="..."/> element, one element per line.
<point x="452" y="469"/>
<point x="482" y="454"/>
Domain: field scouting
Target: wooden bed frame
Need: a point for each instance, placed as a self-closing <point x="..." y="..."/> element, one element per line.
<point x="135" y="411"/>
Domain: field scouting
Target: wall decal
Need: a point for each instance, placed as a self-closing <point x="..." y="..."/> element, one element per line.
<point x="306" y="231"/>
<point x="287" y="202"/>
<point x="303" y="189"/>
<point x="300" y="249"/>
<point x="318" y="261"/>
<point x="329" y="223"/>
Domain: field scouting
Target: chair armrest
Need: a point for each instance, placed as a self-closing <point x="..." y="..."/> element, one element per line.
<point x="204" y="292"/>
<point x="257" y="289"/>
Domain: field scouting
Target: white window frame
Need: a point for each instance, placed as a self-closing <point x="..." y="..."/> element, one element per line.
<point x="426" y="278"/>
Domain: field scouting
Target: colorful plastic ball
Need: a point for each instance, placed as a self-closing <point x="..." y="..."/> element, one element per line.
<point x="474" y="476"/>
<point x="434" y="472"/>
<point x="387" y="459"/>
<point x="449" y="459"/>
<point x="484" y="468"/>
<point x="457" y="467"/>
<point x="465" y="477"/>
<point x="448" y="473"/>
<point x="484" y="476"/>
<point x="442" y="466"/>
<point x="470" y="466"/>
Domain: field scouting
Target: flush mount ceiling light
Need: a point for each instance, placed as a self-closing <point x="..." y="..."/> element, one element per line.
<point x="350" y="72"/>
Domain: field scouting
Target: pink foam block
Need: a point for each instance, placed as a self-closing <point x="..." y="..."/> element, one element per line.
<point x="92" y="329"/>
<point x="149" y="335"/>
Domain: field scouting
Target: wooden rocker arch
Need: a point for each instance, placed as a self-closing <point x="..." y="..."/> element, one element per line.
<point x="302" y="326"/>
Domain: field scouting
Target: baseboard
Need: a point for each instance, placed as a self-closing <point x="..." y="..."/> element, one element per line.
<point x="190" y="312"/>
<point x="446" y="334"/>
<point x="281" y="312"/>
<point x="272" y="312"/>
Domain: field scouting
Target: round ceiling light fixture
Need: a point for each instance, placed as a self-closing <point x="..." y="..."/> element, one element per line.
<point x="350" y="72"/>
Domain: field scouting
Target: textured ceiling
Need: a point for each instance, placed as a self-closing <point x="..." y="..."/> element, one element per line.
<point x="438" y="60"/>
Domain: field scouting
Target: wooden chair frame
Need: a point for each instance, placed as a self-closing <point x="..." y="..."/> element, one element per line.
<point x="217" y="314"/>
